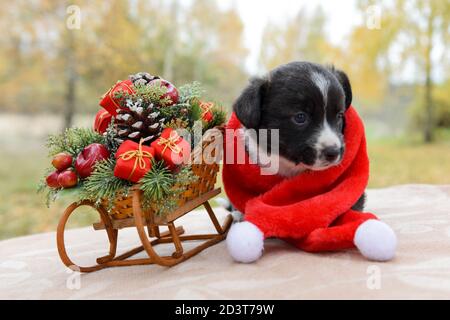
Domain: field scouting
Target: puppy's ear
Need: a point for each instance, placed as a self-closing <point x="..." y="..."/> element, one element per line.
<point x="248" y="105"/>
<point x="345" y="83"/>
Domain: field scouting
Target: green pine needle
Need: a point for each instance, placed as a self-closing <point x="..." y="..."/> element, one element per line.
<point x="191" y="91"/>
<point x="147" y="93"/>
<point x="162" y="189"/>
<point x="102" y="184"/>
<point x="50" y="194"/>
<point x="156" y="183"/>
<point x="73" y="141"/>
<point x="219" y="117"/>
<point x="195" y="112"/>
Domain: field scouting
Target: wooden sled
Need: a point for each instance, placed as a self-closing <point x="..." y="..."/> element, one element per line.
<point x="127" y="212"/>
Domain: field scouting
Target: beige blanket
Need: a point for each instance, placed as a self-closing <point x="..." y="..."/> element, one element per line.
<point x="420" y="214"/>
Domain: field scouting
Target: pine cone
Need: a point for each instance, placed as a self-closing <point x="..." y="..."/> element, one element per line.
<point x="142" y="78"/>
<point x="138" y="121"/>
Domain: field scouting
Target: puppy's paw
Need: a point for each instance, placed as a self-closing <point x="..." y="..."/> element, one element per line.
<point x="376" y="240"/>
<point x="245" y="242"/>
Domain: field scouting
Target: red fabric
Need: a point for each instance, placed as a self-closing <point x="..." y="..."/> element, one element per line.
<point x="109" y="100"/>
<point x="311" y="210"/>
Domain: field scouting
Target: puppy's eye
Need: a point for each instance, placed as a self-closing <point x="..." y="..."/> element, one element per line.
<point x="340" y="115"/>
<point x="300" y="118"/>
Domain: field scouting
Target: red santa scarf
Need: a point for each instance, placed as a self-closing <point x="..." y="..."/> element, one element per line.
<point x="311" y="210"/>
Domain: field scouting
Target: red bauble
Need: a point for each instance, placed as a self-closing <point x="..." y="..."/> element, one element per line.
<point x="67" y="179"/>
<point x="52" y="180"/>
<point x="62" y="161"/>
<point x="172" y="92"/>
<point x="84" y="164"/>
<point x="102" y="120"/>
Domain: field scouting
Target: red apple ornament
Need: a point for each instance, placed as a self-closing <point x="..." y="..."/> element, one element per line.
<point x="67" y="179"/>
<point x="62" y="161"/>
<point x="84" y="164"/>
<point x="172" y="92"/>
<point x="52" y="180"/>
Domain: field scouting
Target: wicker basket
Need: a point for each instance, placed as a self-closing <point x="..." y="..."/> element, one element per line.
<point x="127" y="212"/>
<point x="206" y="178"/>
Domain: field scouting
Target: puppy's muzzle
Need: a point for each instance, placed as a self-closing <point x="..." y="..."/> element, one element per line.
<point x="331" y="154"/>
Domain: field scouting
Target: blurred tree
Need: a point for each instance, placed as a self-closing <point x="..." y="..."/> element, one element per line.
<point x="301" y="38"/>
<point x="45" y="66"/>
<point x="212" y="50"/>
<point x="414" y="28"/>
<point x="363" y="56"/>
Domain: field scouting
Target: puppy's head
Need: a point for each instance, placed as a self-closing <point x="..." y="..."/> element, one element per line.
<point x="306" y="102"/>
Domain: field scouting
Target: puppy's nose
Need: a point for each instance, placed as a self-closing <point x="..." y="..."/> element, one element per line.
<point x="331" y="153"/>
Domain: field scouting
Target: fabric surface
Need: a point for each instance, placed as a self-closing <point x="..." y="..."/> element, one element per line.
<point x="310" y="210"/>
<point x="30" y="267"/>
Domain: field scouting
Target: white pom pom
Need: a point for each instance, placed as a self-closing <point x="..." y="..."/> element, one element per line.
<point x="376" y="240"/>
<point x="223" y="202"/>
<point x="245" y="242"/>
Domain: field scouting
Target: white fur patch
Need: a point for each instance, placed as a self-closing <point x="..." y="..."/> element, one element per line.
<point x="322" y="83"/>
<point x="327" y="138"/>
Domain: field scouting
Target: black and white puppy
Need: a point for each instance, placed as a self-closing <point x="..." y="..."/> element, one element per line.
<point x="306" y="103"/>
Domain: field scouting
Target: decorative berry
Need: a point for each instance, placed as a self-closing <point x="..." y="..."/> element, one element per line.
<point x="52" y="180"/>
<point x="62" y="161"/>
<point x="67" y="179"/>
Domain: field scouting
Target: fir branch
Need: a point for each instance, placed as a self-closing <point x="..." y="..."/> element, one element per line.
<point x="147" y="93"/>
<point x="182" y="181"/>
<point x="195" y="112"/>
<point x="72" y="141"/>
<point x="102" y="184"/>
<point x="156" y="183"/>
<point x="190" y="91"/>
<point x="162" y="189"/>
<point x="50" y="194"/>
<point x="185" y="177"/>
<point x="219" y="117"/>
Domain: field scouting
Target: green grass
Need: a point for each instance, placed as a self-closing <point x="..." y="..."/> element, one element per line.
<point x="22" y="210"/>
<point x="396" y="163"/>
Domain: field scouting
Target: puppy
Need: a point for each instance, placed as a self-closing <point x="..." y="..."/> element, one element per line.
<point x="306" y="103"/>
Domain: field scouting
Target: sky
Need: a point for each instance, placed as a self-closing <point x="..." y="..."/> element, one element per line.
<point x="342" y="17"/>
<point x="256" y="14"/>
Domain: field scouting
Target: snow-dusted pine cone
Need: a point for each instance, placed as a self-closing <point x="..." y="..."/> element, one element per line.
<point x="138" y="121"/>
<point x="142" y="78"/>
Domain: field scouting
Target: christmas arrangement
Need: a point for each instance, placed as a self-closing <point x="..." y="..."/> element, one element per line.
<point x="134" y="140"/>
<point x="139" y="167"/>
